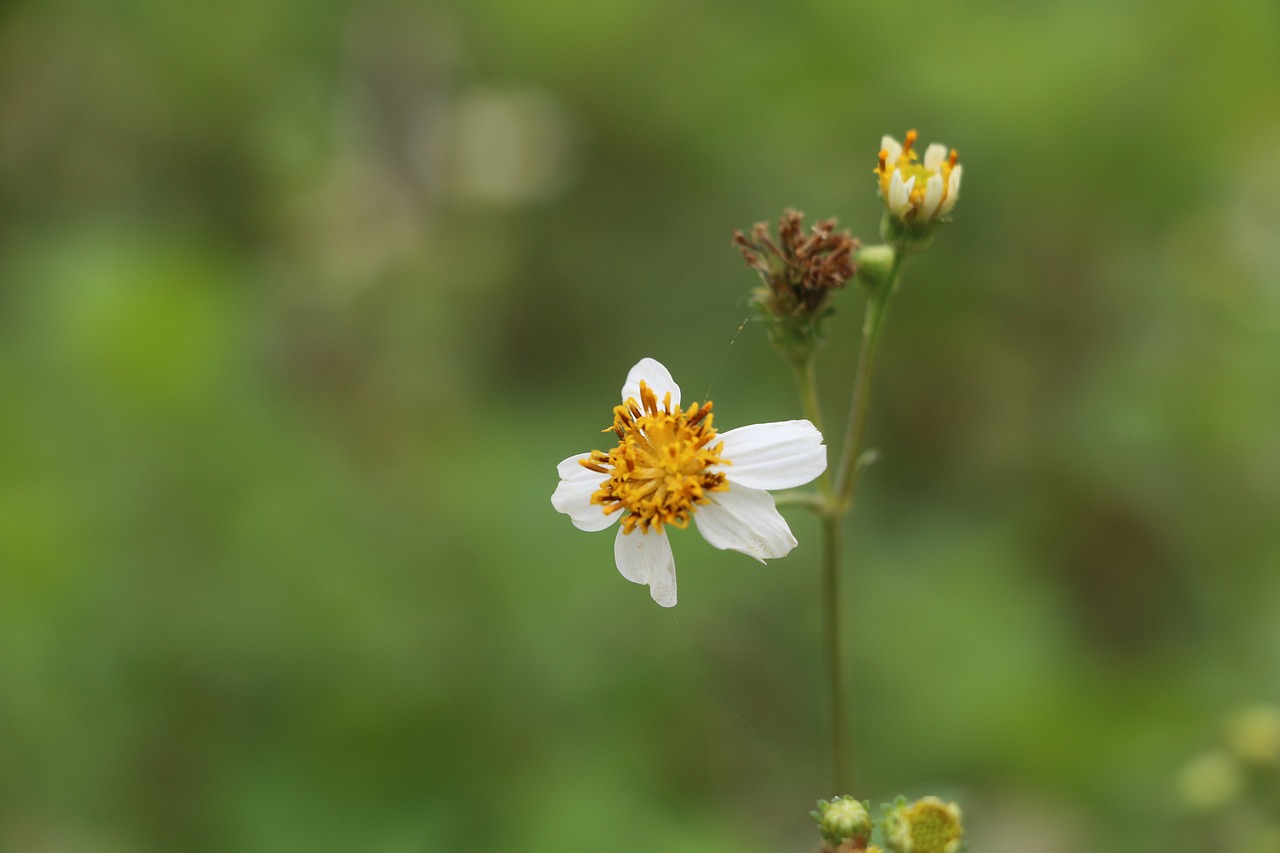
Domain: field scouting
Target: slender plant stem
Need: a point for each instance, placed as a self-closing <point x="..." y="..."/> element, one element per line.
<point x="807" y="384"/>
<point x="834" y="500"/>
<point x="832" y="534"/>
<point x="840" y="503"/>
<point x="855" y="431"/>
<point x="832" y="529"/>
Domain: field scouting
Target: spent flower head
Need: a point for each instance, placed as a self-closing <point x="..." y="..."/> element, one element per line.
<point x="917" y="193"/>
<point x="671" y="465"/>
<point x="799" y="273"/>
<point x="926" y="826"/>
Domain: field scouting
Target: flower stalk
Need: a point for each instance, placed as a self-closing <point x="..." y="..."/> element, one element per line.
<point x="671" y="465"/>
<point x="837" y="502"/>
<point x="799" y="275"/>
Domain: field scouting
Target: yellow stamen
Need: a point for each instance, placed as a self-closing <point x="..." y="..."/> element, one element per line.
<point x="660" y="470"/>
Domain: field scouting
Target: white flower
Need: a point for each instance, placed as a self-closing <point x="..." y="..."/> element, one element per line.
<point x="917" y="193"/>
<point x="670" y="465"/>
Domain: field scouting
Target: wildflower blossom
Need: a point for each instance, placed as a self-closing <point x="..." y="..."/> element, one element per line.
<point x="917" y="193"/>
<point x="671" y="465"/>
<point x="926" y="826"/>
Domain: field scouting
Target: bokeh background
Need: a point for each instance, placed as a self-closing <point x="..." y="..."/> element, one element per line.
<point x="301" y="303"/>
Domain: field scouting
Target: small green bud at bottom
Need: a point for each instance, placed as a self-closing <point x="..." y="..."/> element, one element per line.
<point x="842" y="819"/>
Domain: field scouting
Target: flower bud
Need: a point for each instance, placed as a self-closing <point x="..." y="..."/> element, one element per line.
<point x="875" y="267"/>
<point x="843" y="819"/>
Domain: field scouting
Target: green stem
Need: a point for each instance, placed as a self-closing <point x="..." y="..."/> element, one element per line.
<point x="807" y="385"/>
<point x="855" y="431"/>
<point x="833" y="502"/>
<point x="841" y="503"/>
<point x="825" y="507"/>
<point x="832" y="531"/>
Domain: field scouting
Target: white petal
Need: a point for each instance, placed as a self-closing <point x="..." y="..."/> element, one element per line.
<point x="571" y="468"/>
<point x="656" y="377"/>
<point x="934" y="155"/>
<point x="893" y="147"/>
<point x="745" y="520"/>
<point x="899" y="193"/>
<point x="953" y="191"/>
<point x="779" y="455"/>
<point x="932" y="198"/>
<point x="573" y="495"/>
<point x="646" y="558"/>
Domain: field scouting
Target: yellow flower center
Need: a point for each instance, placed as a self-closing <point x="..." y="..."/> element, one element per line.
<point x="909" y="167"/>
<point x="660" y="470"/>
<point x="932" y="827"/>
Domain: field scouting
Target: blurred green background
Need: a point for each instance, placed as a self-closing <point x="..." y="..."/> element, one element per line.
<point x="301" y="303"/>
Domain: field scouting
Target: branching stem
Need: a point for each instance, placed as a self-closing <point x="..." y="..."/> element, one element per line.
<point x="835" y="499"/>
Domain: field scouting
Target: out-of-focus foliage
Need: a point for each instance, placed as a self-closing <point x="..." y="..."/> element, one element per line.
<point x="300" y="304"/>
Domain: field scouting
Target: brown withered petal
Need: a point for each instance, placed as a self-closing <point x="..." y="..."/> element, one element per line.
<point x="800" y="268"/>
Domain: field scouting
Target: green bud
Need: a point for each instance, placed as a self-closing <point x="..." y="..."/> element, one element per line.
<point x="843" y="819"/>
<point x="876" y="266"/>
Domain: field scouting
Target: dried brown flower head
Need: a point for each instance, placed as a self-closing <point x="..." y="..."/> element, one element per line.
<point x="799" y="271"/>
<point x="803" y="268"/>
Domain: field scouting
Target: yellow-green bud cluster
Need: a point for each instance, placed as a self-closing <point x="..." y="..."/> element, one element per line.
<point x="927" y="825"/>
